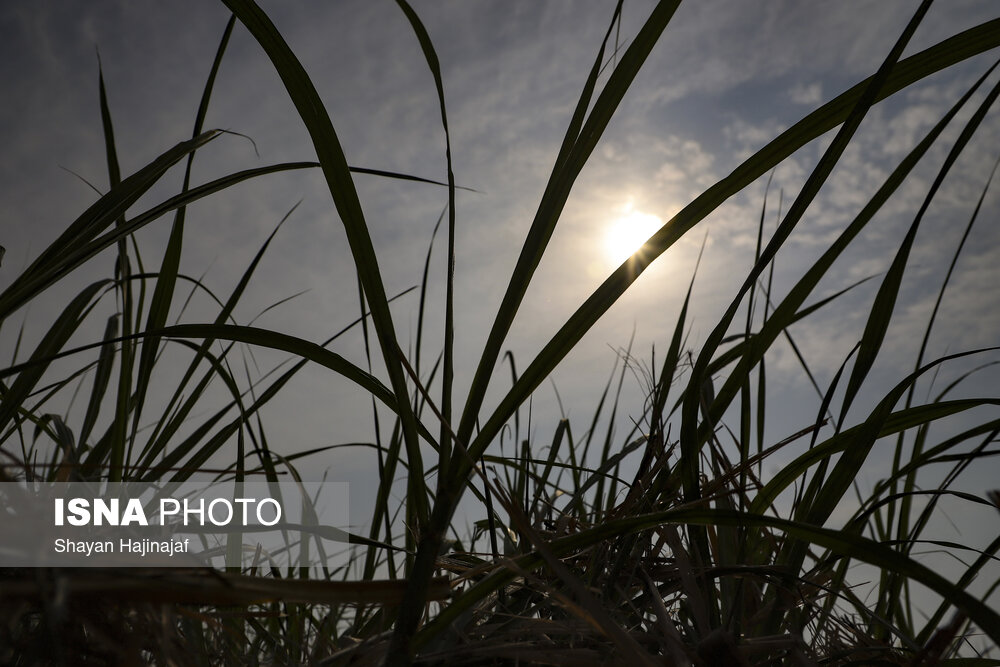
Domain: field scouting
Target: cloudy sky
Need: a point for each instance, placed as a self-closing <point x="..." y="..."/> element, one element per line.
<point x="725" y="78"/>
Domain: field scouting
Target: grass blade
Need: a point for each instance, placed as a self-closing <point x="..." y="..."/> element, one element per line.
<point x="335" y="169"/>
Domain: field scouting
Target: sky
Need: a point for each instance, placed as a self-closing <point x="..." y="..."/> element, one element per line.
<point x="725" y="78"/>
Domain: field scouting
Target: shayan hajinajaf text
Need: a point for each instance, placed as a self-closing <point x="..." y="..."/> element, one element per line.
<point x="134" y="547"/>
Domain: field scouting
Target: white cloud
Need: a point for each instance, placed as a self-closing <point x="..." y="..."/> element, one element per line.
<point x="811" y="94"/>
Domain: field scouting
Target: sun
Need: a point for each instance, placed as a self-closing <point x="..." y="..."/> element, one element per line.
<point x="627" y="234"/>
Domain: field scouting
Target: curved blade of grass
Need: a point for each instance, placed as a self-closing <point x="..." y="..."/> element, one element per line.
<point x="970" y="574"/>
<point x="250" y="335"/>
<point x="65" y="444"/>
<point x="85" y="250"/>
<point x="742" y="348"/>
<point x="331" y="157"/>
<point x="101" y="378"/>
<point x="881" y="311"/>
<point x="421" y="307"/>
<point x="609" y="430"/>
<point x="279" y="341"/>
<point x="880" y="422"/>
<point x="807" y="493"/>
<point x="94" y="220"/>
<point x="405" y="177"/>
<point x="297" y="346"/>
<point x="937" y="453"/>
<point x="124" y="286"/>
<point x="540" y="481"/>
<point x="111" y="153"/>
<point x="448" y="371"/>
<point x="580" y="140"/>
<point x="81" y="240"/>
<point x="553" y="200"/>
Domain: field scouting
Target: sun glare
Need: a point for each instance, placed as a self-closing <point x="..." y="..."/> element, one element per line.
<point x="627" y="234"/>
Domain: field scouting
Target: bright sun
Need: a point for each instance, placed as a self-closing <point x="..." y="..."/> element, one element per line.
<point x="627" y="234"/>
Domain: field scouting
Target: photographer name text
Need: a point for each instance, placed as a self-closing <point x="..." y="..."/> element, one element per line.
<point x="126" y="545"/>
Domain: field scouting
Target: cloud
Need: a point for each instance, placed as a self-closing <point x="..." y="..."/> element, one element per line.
<point x="811" y="94"/>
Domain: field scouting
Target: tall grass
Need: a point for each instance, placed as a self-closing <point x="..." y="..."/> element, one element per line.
<point x="690" y="560"/>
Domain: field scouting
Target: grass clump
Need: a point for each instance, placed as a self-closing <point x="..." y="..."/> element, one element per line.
<point x="671" y="546"/>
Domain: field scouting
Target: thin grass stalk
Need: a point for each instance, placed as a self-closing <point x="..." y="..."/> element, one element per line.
<point x="609" y="432"/>
<point x="448" y="372"/>
<point x="568" y="163"/>
<point x="124" y="294"/>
